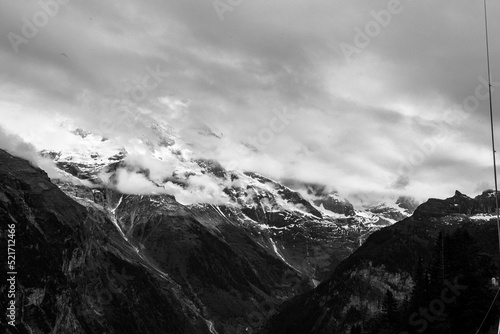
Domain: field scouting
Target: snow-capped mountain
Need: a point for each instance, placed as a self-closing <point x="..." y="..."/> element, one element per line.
<point x="215" y="231"/>
<point x="286" y="210"/>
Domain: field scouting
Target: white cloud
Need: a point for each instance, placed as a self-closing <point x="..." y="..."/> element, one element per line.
<point x="16" y="146"/>
<point x="199" y="189"/>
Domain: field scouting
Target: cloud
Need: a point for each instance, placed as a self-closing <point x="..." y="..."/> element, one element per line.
<point x="19" y="148"/>
<point x="135" y="183"/>
<point x="127" y="66"/>
<point x="199" y="188"/>
<point x="401" y="183"/>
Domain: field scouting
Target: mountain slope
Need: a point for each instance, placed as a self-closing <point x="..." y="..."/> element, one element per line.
<point x="386" y="261"/>
<point x="76" y="274"/>
<point x="304" y="225"/>
<point x="232" y="262"/>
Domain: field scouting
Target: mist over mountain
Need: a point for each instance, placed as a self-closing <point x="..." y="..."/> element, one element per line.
<point x="231" y="251"/>
<point x="271" y="258"/>
<point x="231" y="244"/>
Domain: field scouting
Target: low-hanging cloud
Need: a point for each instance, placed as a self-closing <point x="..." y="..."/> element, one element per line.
<point x="16" y="146"/>
<point x="198" y="188"/>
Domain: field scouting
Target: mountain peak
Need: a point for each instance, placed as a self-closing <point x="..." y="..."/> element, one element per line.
<point x="458" y="204"/>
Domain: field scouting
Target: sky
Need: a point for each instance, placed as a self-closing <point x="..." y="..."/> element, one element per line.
<point x="373" y="97"/>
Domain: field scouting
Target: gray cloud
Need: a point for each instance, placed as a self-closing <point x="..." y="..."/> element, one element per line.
<point x="355" y="122"/>
<point x="401" y="183"/>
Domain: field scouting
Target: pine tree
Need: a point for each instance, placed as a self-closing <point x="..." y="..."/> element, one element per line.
<point x="437" y="267"/>
<point x="460" y="272"/>
<point x="472" y="270"/>
<point x="355" y="329"/>
<point x="419" y="294"/>
<point x="390" y="308"/>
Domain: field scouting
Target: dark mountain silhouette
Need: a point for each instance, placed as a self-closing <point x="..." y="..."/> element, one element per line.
<point x="76" y="274"/>
<point x="354" y="295"/>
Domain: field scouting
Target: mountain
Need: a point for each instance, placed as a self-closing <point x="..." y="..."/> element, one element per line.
<point x="388" y="261"/>
<point x="306" y="226"/>
<point x="75" y="272"/>
<point x="217" y="252"/>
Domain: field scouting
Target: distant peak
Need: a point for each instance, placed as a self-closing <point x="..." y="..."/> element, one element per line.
<point x="460" y="195"/>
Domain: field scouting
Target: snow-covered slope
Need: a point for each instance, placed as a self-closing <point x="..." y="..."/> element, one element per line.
<point x="298" y="222"/>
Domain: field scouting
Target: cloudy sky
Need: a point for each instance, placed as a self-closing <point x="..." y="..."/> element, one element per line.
<point x="366" y="96"/>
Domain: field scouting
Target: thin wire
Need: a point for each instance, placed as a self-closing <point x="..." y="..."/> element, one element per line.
<point x="491" y="306"/>
<point x="491" y="120"/>
<point x="494" y="151"/>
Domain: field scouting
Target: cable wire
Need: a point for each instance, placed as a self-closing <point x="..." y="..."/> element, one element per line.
<point x="487" y="313"/>
<point x="491" y="121"/>
<point x="494" y="151"/>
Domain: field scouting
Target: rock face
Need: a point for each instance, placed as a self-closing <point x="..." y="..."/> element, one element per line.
<point x="76" y="273"/>
<point x="396" y="210"/>
<point x="321" y="197"/>
<point x="116" y="262"/>
<point x="408" y="203"/>
<point x="386" y="261"/>
<point x="458" y="204"/>
<point x="311" y="231"/>
<point x="218" y="264"/>
<point x="334" y="204"/>
<point x="103" y="262"/>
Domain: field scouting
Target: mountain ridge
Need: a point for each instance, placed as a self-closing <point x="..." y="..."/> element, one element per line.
<point x="230" y="262"/>
<point x="386" y="261"/>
